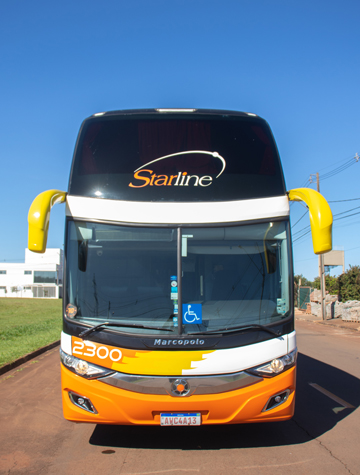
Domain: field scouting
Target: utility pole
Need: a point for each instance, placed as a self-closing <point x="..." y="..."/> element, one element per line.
<point x="321" y="256"/>
<point x="321" y="264"/>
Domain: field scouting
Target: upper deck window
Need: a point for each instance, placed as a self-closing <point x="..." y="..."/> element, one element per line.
<point x="177" y="157"/>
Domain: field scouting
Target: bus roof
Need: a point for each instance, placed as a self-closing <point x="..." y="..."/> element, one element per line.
<point x="174" y="111"/>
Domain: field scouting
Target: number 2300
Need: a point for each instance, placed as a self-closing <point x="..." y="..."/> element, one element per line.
<point x="90" y="349"/>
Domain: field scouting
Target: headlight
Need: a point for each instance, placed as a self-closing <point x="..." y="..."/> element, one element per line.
<point x="276" y="366"/>
<point x="83" y="368"/>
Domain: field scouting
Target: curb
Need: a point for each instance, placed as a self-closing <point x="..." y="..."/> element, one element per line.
<point x="339" y="326"/>
<point x="29" y="356"/>
<point x="321" y="322"/>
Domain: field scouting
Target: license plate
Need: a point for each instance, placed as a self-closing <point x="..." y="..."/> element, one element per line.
<point x="180" y="419"/>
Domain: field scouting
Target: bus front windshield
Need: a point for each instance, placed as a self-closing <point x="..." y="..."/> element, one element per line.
<point x="140" y="276"/>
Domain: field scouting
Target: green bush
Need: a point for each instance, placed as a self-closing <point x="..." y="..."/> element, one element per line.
<point x="331" y="284"/>
<point x="349" y="284"/>
<point x="346" y="286"/>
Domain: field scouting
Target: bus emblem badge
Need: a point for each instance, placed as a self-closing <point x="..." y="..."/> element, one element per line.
<point x="180" y="387"/>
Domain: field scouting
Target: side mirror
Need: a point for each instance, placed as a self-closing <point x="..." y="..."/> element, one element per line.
<point x="321" y="218"/>
<point x="39" y="218"/>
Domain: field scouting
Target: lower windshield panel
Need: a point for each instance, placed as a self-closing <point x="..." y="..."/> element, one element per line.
<point x="230" y="276"/>
<point x="120" y="274"/>
<point x="235" y="276"/>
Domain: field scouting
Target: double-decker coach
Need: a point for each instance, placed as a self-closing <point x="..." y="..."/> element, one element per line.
<point x="178" y="289"/>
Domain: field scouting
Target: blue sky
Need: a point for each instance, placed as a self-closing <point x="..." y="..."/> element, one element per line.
<point x="295" y="63"/>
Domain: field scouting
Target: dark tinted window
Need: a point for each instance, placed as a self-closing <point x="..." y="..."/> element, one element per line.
<point x="44" y="277"/>
<point x="177" y="158"/>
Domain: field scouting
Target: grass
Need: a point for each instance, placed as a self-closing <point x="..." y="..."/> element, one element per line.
<point x="26" y="325"/>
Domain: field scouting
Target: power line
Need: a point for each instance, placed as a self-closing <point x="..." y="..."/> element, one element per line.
<point x="338" y="161"/>
<point x="307" y="229"/>
<point x="347" y="211"/>
<point x="334" y="216"/>
<point x="343" y="217"/>
<point x="307" y="232"/>
<point x="341" y="201"/>
<point x="352" y="248"/>
<point x="300" y="230"/>
<point x="344" y="165"/>
<point x="352" y="223"/>
<point x="305" y="185"/>
<point x="299" y="219"/>
<point x="310" y="259"/>
<point x="332" y="173"/>
<point x="335" y="171"/>
<point x="339" y="169"/>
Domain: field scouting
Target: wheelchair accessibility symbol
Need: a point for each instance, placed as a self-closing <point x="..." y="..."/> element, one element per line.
<point x="192" y="313"/>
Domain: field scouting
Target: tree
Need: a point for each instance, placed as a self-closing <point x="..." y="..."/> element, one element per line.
<point x="346" y="286"/>
<point x="332" y="285"/>
<point x="304" y="281"/>
<point x="316" y="283"/>
<point x="349" y="284"/>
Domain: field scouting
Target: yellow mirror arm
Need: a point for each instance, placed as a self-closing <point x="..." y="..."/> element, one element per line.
<point x="321" y="218"/>
<point x="39" y="217"/>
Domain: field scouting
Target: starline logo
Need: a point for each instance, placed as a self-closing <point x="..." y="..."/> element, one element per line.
<point x="147" y="177"/>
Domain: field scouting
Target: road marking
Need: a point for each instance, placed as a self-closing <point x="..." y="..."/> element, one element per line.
<point x="165" y="471"/>
<point x="278" y="465"/>
<point x="344" y="404"/>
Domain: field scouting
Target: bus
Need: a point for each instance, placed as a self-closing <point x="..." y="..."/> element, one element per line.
<point x="178" y="305"/>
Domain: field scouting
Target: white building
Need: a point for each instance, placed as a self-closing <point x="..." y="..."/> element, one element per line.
<point x="39" y="277"/>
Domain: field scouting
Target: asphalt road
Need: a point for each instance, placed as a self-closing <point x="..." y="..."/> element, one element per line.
<point x="322" y="438"/>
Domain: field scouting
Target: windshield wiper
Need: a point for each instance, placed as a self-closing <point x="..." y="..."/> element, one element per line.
<point x="87" y="332"/>
<point x="241" y="327"/>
